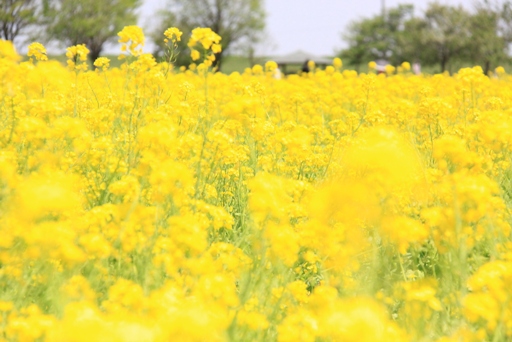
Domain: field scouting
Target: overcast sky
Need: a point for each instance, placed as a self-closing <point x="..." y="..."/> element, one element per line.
<point x="314" y="26"/>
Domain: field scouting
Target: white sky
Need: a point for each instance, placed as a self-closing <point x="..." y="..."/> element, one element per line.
<point x="314" y="26"/>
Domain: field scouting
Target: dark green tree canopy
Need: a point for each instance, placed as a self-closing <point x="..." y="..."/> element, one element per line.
<point x="236" y="21"/>
<point x="89" y="22"/>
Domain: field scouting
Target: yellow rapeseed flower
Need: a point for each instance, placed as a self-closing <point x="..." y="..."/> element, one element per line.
<point x="38" y="51"/>
<point x="132" y="39"/>
<point x="195" y="55"/>
<point x="8" y="51"/>
<point x="77" y="57"/>
<point x="102" y="62"/>
<point x="337" y="63"/>
<point x="406" y="66"/>
<point x="173" y="34"/>
<point x="205" y="36"/>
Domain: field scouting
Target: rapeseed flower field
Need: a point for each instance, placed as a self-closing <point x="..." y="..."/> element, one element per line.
<point x="151" y="203"/>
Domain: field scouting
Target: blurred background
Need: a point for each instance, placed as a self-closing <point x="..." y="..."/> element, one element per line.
<point x="432" y="36"/>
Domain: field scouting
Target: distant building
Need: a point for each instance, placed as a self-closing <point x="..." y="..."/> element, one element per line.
<point x="297" y="59"/>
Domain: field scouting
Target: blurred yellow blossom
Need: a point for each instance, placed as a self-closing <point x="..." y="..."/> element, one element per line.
<point x="38" y="51"/>
<point x="132" y="39"/>
<point x="102" y="62"/>
<point x="77" y="57"/>
<point x="173" y="34"/>
<point x="8" y="51"/>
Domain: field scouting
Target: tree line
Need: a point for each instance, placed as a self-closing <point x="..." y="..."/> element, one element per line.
<point x="443" y="36"/>
<point x="95" y="23"/>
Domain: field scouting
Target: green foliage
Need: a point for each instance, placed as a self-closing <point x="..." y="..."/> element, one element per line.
<point x="16" y="16"/>
<point x="89" y="22"/>
<point x="238" y="22"/>
<point x="444" y="36"/>
<point x="378" y="37"/>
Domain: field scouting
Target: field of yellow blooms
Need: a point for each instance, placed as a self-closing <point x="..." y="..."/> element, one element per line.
<point x="150" y="203"/>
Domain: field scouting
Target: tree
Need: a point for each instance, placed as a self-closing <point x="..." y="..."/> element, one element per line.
<point x="487" y="45"/>
<point x="505" y="22"/>
<point x="89" y="22"/>
<point x="444" y="36"/>
<point x="411" y="45"/>
<point x="16" y="16"/>
<point x="379" y="37"/>
<point x="236" y="21"/>
<point x="447" y="31"/>
<point x="365" y="40"/>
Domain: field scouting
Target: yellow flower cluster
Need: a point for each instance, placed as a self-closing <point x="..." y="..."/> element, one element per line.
<point x="146" y="203"/>
<point x="172" y="37"/>
<point x="205" y="36"/>
<point x="209" y="42"/>
<point x="132" y="39"/>
<point x="77" y="57"/>
<point x="173" y="34"/>
<point x="102" y="62"/>
<point x="38" y="51"/>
